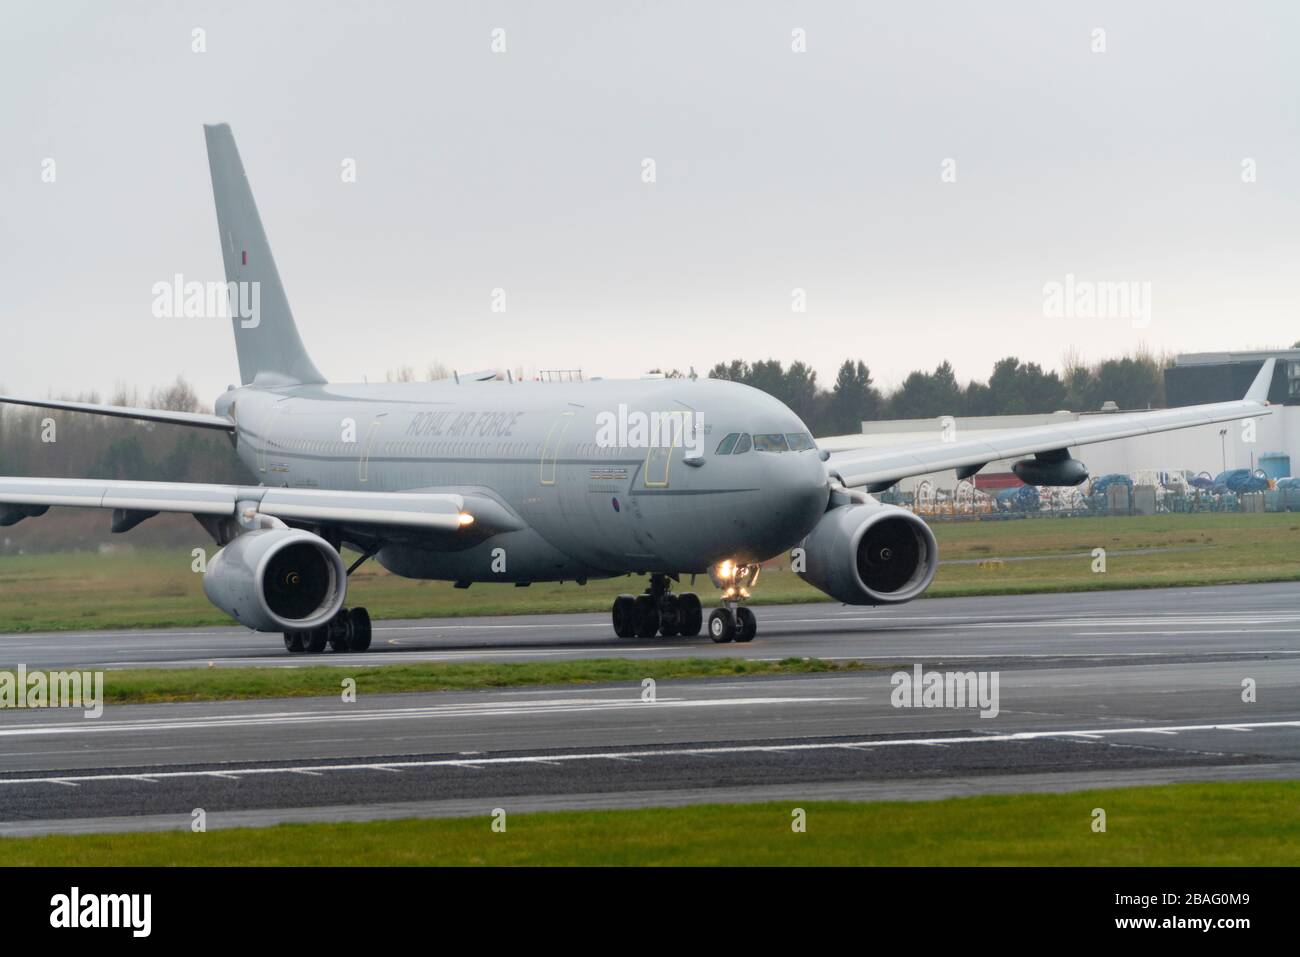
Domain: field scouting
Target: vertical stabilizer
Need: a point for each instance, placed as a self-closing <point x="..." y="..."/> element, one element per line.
<point x="266" y="338"/>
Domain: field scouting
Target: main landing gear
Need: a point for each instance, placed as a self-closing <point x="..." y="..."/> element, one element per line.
<point x="658" y="611"/>
<point x="661" y="612"/>
<point x="349" y="630"/>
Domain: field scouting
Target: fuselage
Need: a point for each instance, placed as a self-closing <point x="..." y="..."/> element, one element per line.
<point x="608" y="477"/>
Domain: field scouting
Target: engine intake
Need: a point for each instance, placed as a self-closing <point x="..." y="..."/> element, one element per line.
<point x="277" y="579"/>
<point x="870" y="554"/>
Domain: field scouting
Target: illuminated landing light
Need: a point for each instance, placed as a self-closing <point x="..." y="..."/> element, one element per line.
<point x="734" y="578"/>
<point x="466" y="519"/>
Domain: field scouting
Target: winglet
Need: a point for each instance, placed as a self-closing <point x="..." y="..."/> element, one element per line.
<point x="1258" y="391"/>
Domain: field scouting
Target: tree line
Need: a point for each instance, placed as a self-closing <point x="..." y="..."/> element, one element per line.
<point x="1014" y="387"/>
<point x="48" y="442"/>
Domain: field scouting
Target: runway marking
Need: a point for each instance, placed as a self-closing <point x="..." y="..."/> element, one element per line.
<point x="912" y="655"/>
<point x="521" y="708"/>
<point x="645" y="753"/>
<point x="670" y="651"/>
<point x="1190" y="634"/>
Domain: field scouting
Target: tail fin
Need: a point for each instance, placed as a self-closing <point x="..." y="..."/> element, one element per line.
<point x="265" y="337"/>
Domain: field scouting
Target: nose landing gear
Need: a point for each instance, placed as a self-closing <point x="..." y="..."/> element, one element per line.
<point x="658" y="611"/>
<point x="733" y="621"/>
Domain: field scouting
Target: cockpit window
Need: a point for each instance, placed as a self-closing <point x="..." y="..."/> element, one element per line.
<point x="742" y="445"/>
<point x="774" y="442"/>
<point x="799" y="441"/>
<point x="727" y="444"/>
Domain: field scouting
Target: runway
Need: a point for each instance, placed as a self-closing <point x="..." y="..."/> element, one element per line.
<point x="1095" y="690"/>
<point x="1181" y="623"/>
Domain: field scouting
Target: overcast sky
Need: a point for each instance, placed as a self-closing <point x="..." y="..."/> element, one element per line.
<point x="775" y="170"/>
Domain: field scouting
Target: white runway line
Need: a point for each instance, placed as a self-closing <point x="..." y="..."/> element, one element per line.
<point x="460" y="710"/>
<point x="561" y="759"/>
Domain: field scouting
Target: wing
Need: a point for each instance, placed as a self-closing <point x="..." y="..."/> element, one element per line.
<point x="126" y="412"/>
<point x="880" y="468"/>
<point x="133" y="502"/>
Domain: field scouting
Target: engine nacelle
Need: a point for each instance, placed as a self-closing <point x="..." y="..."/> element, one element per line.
<point x="277" y="579"/>
<point x="870" y="554"/>
<point x="1050" y="469"/>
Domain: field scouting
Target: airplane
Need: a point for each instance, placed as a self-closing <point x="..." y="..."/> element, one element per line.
<point x="471" y="479"/>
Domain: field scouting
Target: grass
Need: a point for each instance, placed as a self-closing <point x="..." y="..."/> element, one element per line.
<point x="151" y="685"/>
<point x="1221" y="824"/>
<point x="156" y="587"/>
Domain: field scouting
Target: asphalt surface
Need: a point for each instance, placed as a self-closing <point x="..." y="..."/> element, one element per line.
<point x="1183" y="622"/>
<point x="1094" y="690"/>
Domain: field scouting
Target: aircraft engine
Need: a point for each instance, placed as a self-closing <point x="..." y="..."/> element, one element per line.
<point x="1055" y="469"/>
<point x="870" y="554"/>
<point x="277" y="579"/>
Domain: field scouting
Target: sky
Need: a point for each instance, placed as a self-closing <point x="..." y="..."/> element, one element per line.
<point x="899" y="183"/>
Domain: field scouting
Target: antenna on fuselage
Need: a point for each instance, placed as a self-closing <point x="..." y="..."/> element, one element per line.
<point x="456" y="375"/>
<point x="510" y="377"/>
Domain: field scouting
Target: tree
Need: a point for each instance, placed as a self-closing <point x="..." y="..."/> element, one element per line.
<point x="1130" y="383"/>
<point x="800" y="390"/>
<point x="1017" y="388"/>
<point x="735" y="371"/>
<point x="853" y="400"/>
<point x="768" y="375"/>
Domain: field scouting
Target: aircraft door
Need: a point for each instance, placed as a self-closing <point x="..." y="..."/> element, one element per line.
<point x="659" y="456"/>
<point x="272" y="419"/>
<point x="551" y="448"/>
<point x="368" y="446"/>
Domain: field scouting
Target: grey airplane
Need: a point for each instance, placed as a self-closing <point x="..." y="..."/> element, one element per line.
<point x="478" y="479"/>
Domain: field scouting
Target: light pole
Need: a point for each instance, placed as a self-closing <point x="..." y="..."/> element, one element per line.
<point x="1223" y="447"/>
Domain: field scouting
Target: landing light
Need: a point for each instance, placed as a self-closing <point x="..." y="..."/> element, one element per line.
<point x="466" y="519"/>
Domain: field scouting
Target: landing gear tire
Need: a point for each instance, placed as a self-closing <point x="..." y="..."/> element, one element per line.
<point x="339" y="630"/>
<point x="624" y="615"/>
<point x="646" y="616"/>
<point x="690" y="615"/>
<point x="293" y="642"/>
<point x="722" y="627"/>
<point x="670" y="616"/>
<point x="359" y="628"/>
<point x="314" y="641"/>
<point x="746" y="624"/>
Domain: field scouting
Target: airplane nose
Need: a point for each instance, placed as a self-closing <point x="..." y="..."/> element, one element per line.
<point x="799" y="491"/>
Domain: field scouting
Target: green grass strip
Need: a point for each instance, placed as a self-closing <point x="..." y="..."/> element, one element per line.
<point x="144" y="686"/>
<point x="1239" y="823"/>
